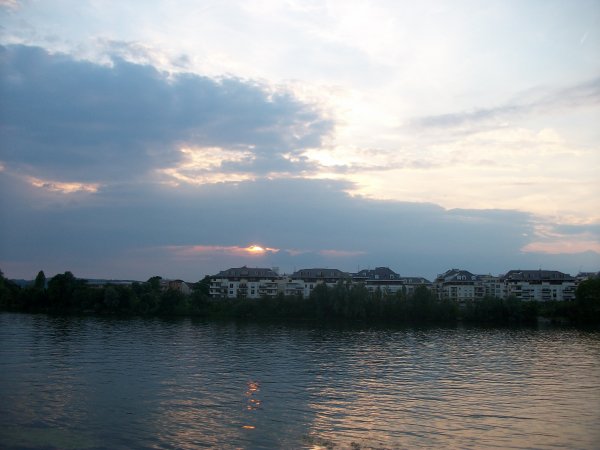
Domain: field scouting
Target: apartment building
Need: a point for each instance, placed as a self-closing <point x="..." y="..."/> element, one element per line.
<point x="455" y="284"/>
<point x="302" y="282"/>
<point x="245" y="282"/>
<point x="388" y="281"/>
<point x="539" y="285"/>
<point x="458" y="285"/>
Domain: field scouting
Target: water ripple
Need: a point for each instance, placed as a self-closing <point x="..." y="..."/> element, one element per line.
<point x="109" y="383"/>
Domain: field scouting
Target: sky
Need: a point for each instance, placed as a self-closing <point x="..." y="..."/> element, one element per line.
<point x="181" y="138"/>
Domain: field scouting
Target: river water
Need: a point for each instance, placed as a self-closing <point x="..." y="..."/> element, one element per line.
<point x="91" y="383"/>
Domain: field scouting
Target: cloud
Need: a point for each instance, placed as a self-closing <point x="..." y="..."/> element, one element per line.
<point x="215" y="164"/>
<point x="564" y="239"/>
<point x="66" y="119"/>
<point x="341" y="253"/>
<point x="561" y="247"/>
<point x="10" y="4"/>
<point x="136" y="230"/>
<point x="66" y="188"/>
<point x="195" y="250"/>
<point x="533" y="101"/>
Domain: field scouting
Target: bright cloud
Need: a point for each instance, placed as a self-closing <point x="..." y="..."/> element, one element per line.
<point x="63" y="187"/>
<point x="208" y="165"/>
<point x="570" y="239"/>
<point x="11" y="4"/>
<point x="558" y="247"/>
<point x="194" y="250"/>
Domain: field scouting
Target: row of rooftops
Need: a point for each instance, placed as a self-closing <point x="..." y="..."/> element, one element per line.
<point x="458" y="275"/>
<point x="319" y="273"/>
<point x="383" y="274"/>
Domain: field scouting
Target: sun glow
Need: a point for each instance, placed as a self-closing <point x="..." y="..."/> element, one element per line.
<point x="254" y="249"/>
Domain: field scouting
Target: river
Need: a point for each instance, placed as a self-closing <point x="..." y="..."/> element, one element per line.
<point x="94" y="383"/>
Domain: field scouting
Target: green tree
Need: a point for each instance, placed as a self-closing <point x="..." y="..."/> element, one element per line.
<point x="587" y="301"/>
<point x="148" y="303"/>
<point x="9" y="292"/>
<point x="35" y="296"/>
<point x="421" y="305"/>
<point x="173" y="302"/>
<point x="154" y="283"/>
<point x="199" y="303"/>
<point x="61" y="288"/>
<point x="320" y="297"/>
<point x="111" y="299"/>
<point x="40" y="281"/>
<point x="203" y="286"/>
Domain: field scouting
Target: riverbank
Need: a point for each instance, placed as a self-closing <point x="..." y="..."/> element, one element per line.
<point x="65" y="294"/>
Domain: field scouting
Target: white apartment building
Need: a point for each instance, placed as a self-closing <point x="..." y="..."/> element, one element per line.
<point x="245" y="282"/>
<point x="388" y="281"/>
<point x="455" y="284"/>
<point x="492" y="286"/>
<point x="458" y="285"/>
<point x="303" y="281"/>
<point x="539" y="285"/>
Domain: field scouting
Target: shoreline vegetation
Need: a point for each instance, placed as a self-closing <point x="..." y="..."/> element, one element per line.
<point x="66" y="294"/>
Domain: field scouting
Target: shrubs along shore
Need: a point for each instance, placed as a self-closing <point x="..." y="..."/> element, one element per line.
<point x="64" y="293"/>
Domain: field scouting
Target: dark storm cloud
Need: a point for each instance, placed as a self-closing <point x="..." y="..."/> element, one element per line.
<point x="539" y="100"/>
<point x="61" y="117"/>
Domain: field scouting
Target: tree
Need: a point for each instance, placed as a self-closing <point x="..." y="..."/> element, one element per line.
<point x="36" y="297"/>
<point x="9" y="292"/>
<point x="40" y="281"/>
<point x="60" y="289"/>
<point x="587" y="301"/>
<point x="422" y="304"/>
<point x="320" y="297"/>
<point x="111" y="298"/>
<point x="154" y="283"/>
<point x="203" y="286"/>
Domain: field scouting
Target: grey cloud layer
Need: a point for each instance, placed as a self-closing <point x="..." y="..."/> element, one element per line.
<point x="133" y="225"/>
<point x="75" y="119"/>
<point x="287" y="214"/>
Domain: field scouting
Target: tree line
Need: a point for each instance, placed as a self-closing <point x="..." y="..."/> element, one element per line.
<point x="64" y="293"/>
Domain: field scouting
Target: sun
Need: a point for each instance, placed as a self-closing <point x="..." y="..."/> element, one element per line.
<point x="255" y="249"/>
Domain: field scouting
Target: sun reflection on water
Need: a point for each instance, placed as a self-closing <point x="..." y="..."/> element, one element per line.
<point x="252" y="403"/>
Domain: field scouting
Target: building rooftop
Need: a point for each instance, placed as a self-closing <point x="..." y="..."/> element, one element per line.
<point x="379" y="273"/>
<point x="536" y="275"/>
<point x="319" y="273"/>
<point x="247" y="272"/>
<point x="456" y="275"/>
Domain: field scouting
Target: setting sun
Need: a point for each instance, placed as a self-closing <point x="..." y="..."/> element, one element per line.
<point x="254" y="249"/>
